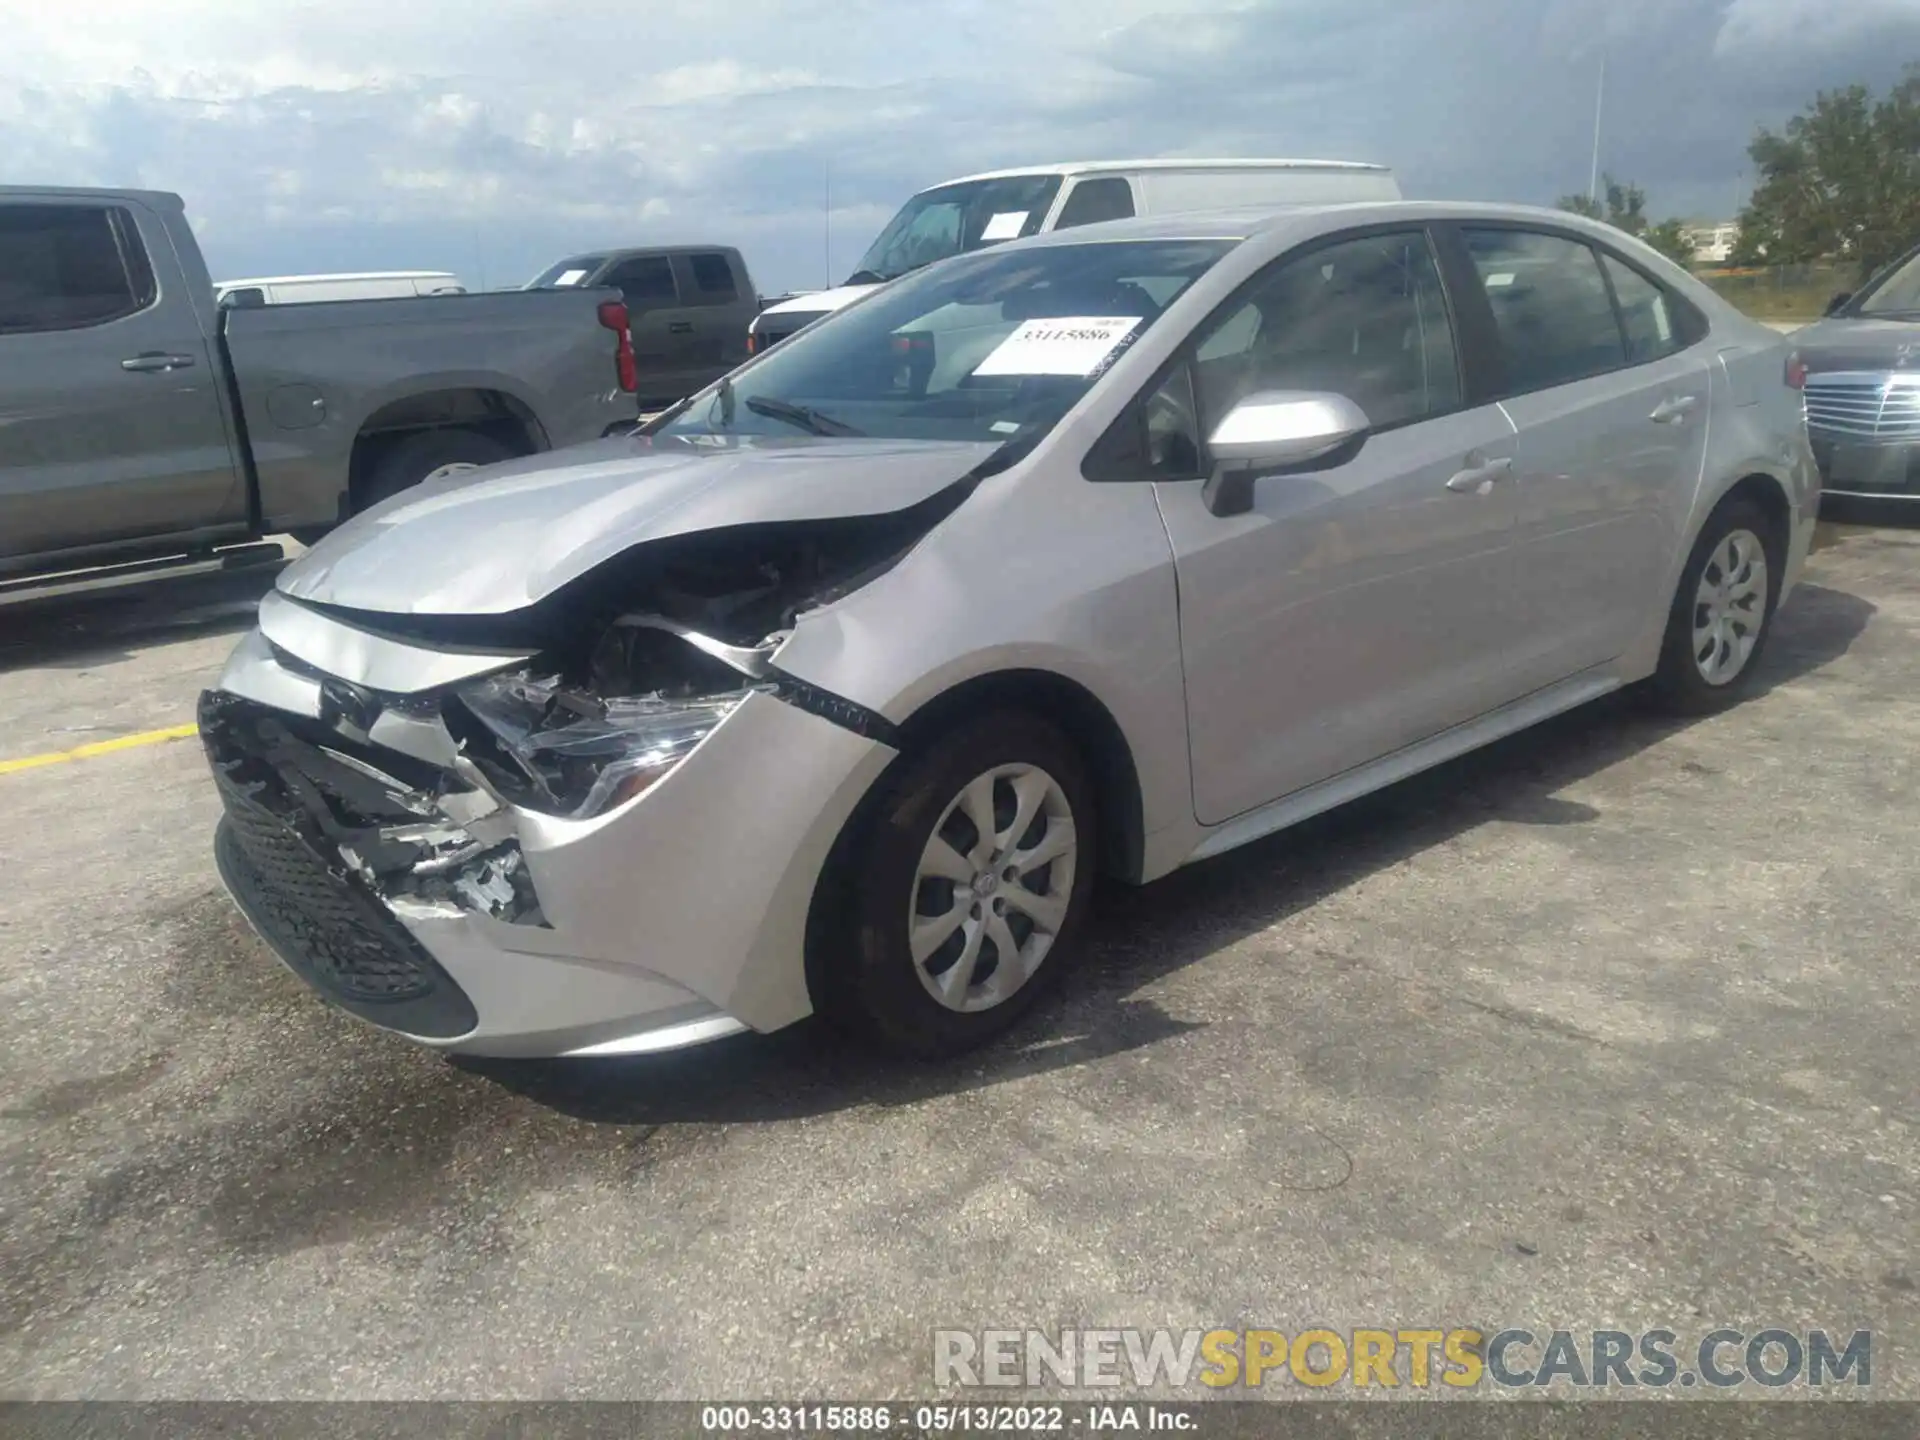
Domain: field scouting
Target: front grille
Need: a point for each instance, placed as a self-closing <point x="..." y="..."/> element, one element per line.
<point x="294" y="886"/>
<point x="1880" y="408"/>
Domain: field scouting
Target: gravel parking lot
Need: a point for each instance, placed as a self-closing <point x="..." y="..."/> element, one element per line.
<point x="1610" y="1025"/>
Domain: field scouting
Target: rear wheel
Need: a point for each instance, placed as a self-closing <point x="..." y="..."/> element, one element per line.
<point x="964" y="892"/>
<point x="426" y="455"/>
<point x="1722" y="612"/>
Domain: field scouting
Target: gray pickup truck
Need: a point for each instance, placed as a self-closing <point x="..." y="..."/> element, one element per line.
<point x="690" y="306"/>
<point x="1862" y="377"/>
<point x="139" y="419"/>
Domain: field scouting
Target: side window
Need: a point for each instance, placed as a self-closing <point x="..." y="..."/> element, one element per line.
<point x="64" y="267"/>
<point x="644" y="280"/>
<point x="1365" y="318"/>
<point x="1646" y="314"/>
<point x="1550" y="305"/>
<point x="1091" y="201"/>
<point x="707" y="279"/>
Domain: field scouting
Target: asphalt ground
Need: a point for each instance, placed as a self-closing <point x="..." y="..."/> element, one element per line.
<point x="1610" y="1025"/>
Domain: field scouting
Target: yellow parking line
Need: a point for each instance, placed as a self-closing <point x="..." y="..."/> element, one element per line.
<point x="99" y="747"/>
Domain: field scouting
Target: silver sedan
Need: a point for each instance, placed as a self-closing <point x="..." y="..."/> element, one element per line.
<point x="1103" y="552"/>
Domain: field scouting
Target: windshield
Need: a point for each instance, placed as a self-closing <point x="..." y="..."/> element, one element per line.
<point x="952" y="219"/>
<point x="991" y="347"/>
<point x="1898" y="294"/>
<point x="567" y="274"/>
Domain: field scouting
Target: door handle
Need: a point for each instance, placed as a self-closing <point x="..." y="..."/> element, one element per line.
<point x="1674" y="409"/>
<point x="680" y="327"/>
<point x="1479" y="479"/>
<point x="152" y="361"/>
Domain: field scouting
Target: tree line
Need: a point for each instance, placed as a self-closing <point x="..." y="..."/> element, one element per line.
<point x="1841" y="183"/>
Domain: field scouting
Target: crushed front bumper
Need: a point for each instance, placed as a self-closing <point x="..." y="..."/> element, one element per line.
<point x="408" y="896"/>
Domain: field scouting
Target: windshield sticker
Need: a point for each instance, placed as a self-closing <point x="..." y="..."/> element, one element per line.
<point x="1066" y="345"/>
<point x="570" y="277"/>
<point x="1004" y="226"/>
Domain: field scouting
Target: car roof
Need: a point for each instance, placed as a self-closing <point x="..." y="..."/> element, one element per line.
<point x="1242" y="223"/>
<point x="347" y="276"/>
<point x="1079" y="167"/>
<point x="630" y="252"/>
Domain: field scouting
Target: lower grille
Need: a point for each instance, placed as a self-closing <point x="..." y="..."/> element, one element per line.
<point x="323" y="921"/>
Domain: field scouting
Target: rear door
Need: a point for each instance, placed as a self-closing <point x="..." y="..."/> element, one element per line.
<point x="111" y="426"/>
<point x="718" y="309"/>
<point x="666" y="340"/>
<point x="1609" y="391"/>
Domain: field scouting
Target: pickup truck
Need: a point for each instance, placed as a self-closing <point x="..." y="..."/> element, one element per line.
<point x="139" y="419"/>
<point x="690" y="307"/>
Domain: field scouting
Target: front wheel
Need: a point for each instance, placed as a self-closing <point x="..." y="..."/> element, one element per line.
<point x="965" y="890"/>
<point x="1722" y="612"/>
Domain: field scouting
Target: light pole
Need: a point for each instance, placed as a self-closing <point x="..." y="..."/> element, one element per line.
<point x="1599" y="102"/>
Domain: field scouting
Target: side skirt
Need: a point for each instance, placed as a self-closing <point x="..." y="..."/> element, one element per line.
<point x="1400" y="764"/>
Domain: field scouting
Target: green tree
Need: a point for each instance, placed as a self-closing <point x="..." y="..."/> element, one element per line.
<point x="1625" y="209"/>
<point x="1841" y="182"/>
<point x="1625" y="206"/>
<point x="1670" y="239"/>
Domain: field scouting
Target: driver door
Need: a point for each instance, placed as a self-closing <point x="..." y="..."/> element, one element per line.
<point x="1360" y="609"/>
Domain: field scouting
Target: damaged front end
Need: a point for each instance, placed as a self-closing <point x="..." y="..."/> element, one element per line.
<point x="360" y="818"/>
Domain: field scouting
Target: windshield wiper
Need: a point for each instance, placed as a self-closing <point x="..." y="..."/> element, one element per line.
<point x="804" y="416"/>
<point x="866" y="277"/>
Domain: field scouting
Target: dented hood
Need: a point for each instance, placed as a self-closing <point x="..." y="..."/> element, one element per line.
<point x="497" y="541"/>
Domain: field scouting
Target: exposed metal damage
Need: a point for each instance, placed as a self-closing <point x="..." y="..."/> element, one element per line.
<point x="410" y="799"/>
<point x="404" y="830"/>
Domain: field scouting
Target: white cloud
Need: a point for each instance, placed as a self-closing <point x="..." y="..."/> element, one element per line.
<point x="449" y="135"/>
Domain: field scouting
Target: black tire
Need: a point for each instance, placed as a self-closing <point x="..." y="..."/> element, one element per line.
<point x="1679" y="686"/>
<point x="405" y="462"/>
<point x="862" y="966"/>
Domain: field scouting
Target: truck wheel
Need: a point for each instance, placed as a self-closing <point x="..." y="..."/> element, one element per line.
<point x="426" y="455"/>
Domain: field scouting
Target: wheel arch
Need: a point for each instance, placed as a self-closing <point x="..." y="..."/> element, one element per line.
<point x="497" y="413"/>
<point x="1085" y="720"/>
<point x="1769" y="494"/>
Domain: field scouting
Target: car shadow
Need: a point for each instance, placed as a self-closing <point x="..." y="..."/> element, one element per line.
<point x="1142" y="934"/>
<point x="95" y="627"/>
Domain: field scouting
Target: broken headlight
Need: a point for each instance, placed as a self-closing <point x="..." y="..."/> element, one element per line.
<point x="577" y="754"/>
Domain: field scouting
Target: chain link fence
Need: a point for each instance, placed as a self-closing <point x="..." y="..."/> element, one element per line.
<point x="1780" y="292"/>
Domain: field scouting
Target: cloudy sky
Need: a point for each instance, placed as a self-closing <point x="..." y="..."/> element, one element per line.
<point x="489" y="137"/>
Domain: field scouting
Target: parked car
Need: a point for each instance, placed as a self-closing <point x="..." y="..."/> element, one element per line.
<point x="137" y="418"/>
<point x="308" y="289"/>
<point x="979" y="210"/>
<point x="1863" y="386"/>
<point x="689" y="306"/>
<point x="1102" y="551"/>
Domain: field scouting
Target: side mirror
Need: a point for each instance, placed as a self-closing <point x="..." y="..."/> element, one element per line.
<point x="1838" y="302"/>
<point x="1277" y="431"/>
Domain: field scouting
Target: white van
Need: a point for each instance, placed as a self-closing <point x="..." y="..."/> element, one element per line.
<point x="306" y="289"/>
<point x="979" y="210"/>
